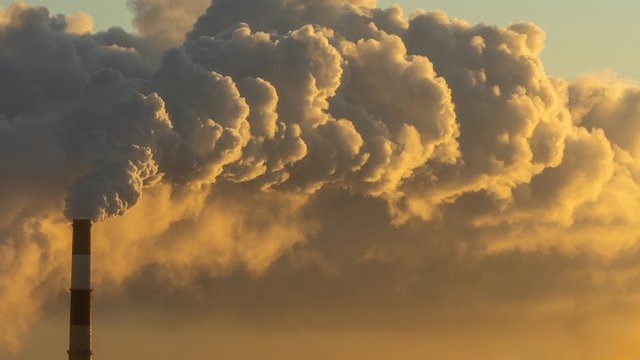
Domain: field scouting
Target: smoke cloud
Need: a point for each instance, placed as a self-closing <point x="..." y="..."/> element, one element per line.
<point x="313" y="141"/>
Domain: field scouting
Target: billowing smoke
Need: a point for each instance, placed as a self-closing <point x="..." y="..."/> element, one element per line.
<point x="235" y="130"/>
<point x="307" y="115"/>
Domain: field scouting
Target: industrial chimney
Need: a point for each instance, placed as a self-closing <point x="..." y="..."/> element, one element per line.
<point x="80" y="314"/>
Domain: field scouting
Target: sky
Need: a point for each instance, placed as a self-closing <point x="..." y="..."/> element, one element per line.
<point x="581" y="35"/>
<point x="322" y="179"/>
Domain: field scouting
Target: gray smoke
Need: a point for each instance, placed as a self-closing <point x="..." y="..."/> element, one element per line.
<point x="277" y="110"/>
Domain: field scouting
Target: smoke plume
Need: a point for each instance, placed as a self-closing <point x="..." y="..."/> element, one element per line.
<point x="276" y="138"/>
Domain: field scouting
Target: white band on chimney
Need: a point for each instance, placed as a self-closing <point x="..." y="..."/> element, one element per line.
<point x="81" y="272"/>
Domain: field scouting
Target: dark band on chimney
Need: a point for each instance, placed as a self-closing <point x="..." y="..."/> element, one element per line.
<point x="80" y="307"/>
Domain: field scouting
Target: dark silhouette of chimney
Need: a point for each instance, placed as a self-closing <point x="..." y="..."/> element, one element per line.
<point x="80" y="314"/>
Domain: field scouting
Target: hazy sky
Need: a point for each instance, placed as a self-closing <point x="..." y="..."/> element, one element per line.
<point x="323" y="179"/>
<point x="582" y="35"/>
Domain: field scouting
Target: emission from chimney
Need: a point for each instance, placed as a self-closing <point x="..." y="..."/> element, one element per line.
<point x="80" y="308"/>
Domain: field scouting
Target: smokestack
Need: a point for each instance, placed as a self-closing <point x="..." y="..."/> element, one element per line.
<point x="80" y="314"/>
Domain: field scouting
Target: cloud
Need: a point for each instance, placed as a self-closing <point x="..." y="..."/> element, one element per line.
<point x="165" y="22"/>
<point x="79" y="23"/>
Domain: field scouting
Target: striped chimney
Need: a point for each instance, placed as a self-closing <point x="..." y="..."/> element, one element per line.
<point x="80" y="314"/>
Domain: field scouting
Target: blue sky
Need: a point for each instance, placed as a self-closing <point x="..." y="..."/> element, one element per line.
<point x="582" y="35"/>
